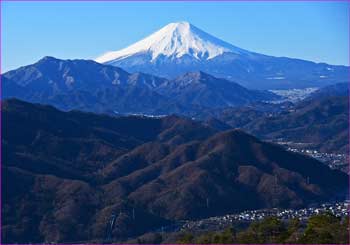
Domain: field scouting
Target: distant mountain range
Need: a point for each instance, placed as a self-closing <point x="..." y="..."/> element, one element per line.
<point x="181" y="47"/>
<point x="201" y="73"/>
<point x="338" y="89"/>
<point x="90" y="86"/>
<point x="67" y="173"/>
<point x="322" y="120"/>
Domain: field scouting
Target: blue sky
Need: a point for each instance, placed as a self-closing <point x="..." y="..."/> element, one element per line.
<point x="316" y="31"/>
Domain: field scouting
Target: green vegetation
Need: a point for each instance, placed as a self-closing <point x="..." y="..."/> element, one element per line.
<point x="319" y="229"/>
<point x="326" y="228"/>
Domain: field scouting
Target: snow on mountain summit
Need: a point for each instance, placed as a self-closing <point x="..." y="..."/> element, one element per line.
<point x="175" y="40"/>
<point x="179" y="48"/>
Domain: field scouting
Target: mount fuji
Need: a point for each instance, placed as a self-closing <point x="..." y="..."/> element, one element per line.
<point x="181" y="47"/>
<point x="174" y="41"/>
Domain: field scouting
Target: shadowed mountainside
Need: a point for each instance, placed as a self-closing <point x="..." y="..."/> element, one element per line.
<point x="66" y="173"/>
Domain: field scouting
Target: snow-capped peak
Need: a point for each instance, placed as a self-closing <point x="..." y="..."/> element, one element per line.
<point x="175" y="40"/>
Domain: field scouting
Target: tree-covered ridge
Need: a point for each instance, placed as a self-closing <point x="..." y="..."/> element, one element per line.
<point x="319" y="229"/>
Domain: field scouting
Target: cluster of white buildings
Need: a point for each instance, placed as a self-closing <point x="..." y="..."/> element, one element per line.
<point x="339" y="209"/>
<point x="333" y="160"/>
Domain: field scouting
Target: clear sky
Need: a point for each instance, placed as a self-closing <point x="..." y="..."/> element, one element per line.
<point x="317" y="31"/>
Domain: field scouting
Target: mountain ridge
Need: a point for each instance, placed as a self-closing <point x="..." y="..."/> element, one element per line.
<point x="91" y="86"/>
<point x="150" y="171"/>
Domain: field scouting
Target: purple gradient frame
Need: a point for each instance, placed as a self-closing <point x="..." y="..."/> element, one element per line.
<point x="0" y="123"/>
<point x="348" y="150"/>
<point x="197" y="1"/>
<point x="171" y="0"/>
